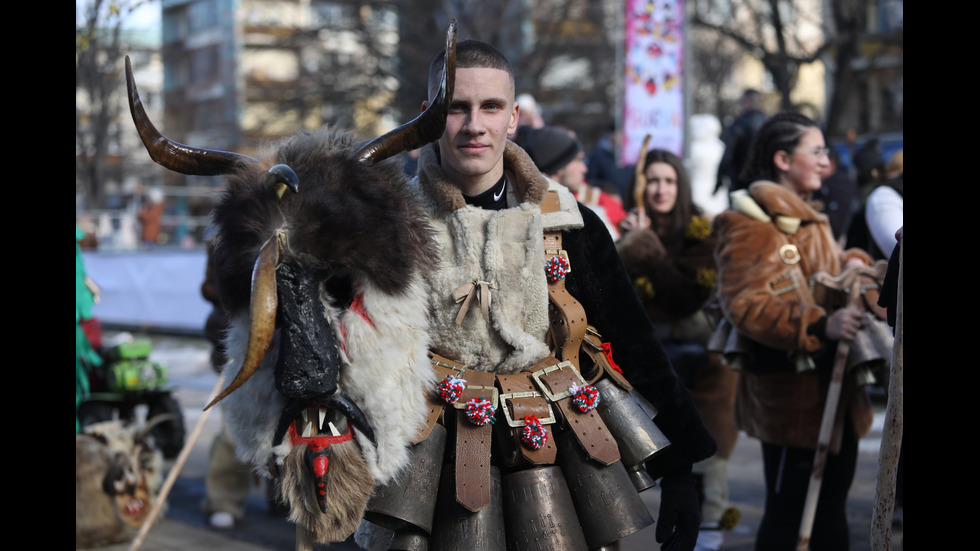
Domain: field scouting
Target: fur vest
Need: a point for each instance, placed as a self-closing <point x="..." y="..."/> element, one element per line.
<point x="769" y="246"/>
<point x="489" y="297"/>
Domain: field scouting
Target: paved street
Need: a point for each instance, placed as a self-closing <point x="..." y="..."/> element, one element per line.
<point x="184" y="528"/>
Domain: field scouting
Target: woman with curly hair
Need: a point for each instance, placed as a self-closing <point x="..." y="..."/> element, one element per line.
<point x="770" y="243"/>
<point x="668" y="250"/>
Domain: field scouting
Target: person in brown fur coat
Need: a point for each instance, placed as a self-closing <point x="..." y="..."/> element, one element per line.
<point x="769" y="245"/>
<point x="668" y="252"/>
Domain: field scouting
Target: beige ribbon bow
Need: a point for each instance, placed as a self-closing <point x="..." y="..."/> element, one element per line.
<point x="471" y="291"/>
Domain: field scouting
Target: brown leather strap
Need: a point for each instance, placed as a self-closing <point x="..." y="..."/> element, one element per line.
<point x="568" y="322"/>
<point x="519" y="397"/>
<point x="473" y="445"/>
<point x="601" y="366"/>
<point x="443" y="368"/>
<point x="551" y="202"/>
<point x="554" y="381"/>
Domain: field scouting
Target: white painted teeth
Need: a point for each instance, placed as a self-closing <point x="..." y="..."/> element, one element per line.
<point x="307" y="425"/>
<point x="320" y="425"/>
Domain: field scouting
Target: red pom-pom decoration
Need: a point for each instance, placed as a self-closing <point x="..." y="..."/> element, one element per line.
<point x="533" y="433"/>
<point x="556" y="268"/>
<point x="585" y="398"/>
<point x="450" y="389"/>
<point x="480" y="411"/>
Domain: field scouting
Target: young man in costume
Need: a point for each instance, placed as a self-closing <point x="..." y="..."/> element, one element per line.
<point x="489" y="293"/>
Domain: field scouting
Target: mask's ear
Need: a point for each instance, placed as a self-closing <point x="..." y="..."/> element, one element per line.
<point x="782" y="160"/>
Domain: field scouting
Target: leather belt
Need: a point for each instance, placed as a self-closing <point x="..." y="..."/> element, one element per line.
<point x="473" y="445"/>
<point x="520" y="398"/>
<point x="553" y="379"/>
<point x="568" y="321"/>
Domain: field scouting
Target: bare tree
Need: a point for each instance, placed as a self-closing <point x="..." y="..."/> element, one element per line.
<point x="783" y="35"/>
<point x="98" y="69"/>
<point x="787" y="34"/>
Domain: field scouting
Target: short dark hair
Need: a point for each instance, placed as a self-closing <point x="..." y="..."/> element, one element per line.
<point x="782" y="132"/>
<point x="470" y="54"/>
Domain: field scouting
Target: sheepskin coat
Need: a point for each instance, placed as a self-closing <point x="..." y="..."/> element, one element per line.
<point x="765" y="261"/>
<point x="505" y="248"/>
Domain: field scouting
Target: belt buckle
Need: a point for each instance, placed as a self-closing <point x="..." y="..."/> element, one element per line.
<point x="494" y="393"/>
<point x="550" y="420"/>
<point x="557" y="367"/>
<point x="779" y="284"/>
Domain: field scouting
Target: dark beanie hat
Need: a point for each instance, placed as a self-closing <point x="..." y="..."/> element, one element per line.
<point x="551" y="148"/>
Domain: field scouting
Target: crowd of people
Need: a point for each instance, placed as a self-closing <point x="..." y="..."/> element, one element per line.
<point x="659" y="280"/>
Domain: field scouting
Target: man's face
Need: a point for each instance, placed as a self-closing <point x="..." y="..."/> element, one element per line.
<point x="483" y="112"/>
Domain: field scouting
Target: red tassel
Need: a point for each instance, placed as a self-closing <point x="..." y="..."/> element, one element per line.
<point x="607" y="350"/>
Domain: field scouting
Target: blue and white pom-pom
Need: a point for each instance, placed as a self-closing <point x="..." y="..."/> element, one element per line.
<point x="450" y="389"/>
<point x="533" y="434"/>
<point x="480" y="411"/>
<point x="556" y="268"/>
<point x="585" y="398"/>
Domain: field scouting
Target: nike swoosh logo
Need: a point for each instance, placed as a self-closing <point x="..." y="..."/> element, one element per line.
<point x="496" y="196"/>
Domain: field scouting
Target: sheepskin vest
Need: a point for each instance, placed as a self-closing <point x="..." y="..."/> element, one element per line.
<point x="488" y="293"/>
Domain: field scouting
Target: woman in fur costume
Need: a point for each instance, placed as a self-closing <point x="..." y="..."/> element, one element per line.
<point x="769" y="245"/>
<point x="668" y="251"/>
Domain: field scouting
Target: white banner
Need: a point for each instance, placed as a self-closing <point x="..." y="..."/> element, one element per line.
<point x="151" y="290"/>
<point x="653" y="100"/>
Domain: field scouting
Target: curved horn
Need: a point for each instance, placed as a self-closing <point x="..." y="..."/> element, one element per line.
<point x="263" y="308"/>
<point x="427" y="127"/>
<point x="279" y="178"/>
<point x="170" y="154"/>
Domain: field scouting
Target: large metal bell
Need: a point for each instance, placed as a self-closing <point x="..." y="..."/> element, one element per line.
<point x="539" y="512"/>
<point x="629" y="418"/>
<point x="456" y="528"/>
<point x="410" y="499"/>
<point x="609" y="507"/>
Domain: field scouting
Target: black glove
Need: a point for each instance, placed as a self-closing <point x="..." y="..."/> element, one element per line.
<point x="680" y="513"/>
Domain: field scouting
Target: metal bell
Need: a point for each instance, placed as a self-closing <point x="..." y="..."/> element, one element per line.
<point x="609" y="507"/>
<point x="738" y="350"/>
<point x="882" y="336"/>
<point x="456" y="527"/>
<point x="863" y="354"/>
<point x="539" y="512"/>
<point x="629" y="418"/>
<point x="410" y="499"/>
<point x="409" y="538"/>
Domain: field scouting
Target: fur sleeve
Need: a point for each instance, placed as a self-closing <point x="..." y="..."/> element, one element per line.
<point x="671" y="286"/>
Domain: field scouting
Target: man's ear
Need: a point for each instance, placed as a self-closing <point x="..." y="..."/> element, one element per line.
<point x="782" y="160"/>
<point x="516" y="118"/>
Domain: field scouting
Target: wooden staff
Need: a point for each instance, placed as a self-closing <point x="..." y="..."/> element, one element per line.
<point x="640" y="183"/>
<point x="850" y="280"/>
<point x="891" y="437"/>
<point x="168" y="484"/>
<point x="304" y="539"/>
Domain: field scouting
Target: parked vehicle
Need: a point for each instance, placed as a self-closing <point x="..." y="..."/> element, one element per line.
<point x="129" y="384"/>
